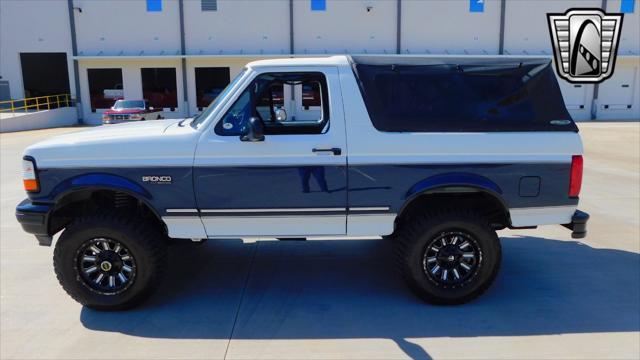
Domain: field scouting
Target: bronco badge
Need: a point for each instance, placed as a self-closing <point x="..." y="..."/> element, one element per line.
<point x="165" y="179"/>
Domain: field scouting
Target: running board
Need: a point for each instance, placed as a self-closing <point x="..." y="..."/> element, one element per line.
<point x="292" y="239"/>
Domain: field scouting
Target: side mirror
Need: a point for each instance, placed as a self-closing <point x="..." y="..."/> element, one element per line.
<point x="256" y="131"/>
<point x="281" y="115"/>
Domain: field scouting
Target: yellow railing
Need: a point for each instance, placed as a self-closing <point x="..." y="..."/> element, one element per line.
<point x="36" y="103"/>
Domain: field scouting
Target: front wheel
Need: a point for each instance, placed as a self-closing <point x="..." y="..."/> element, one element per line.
<point x="448" y="257"/>
<point x="109" y="262"/>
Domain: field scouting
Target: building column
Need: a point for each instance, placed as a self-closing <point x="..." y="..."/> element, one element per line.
<point x="399" y="27"/>
<point x="183" y="61"/>
<point x="291" y="38"/>
<point x="503" y="6"/>
<point x="596" y="87"/>
<point x="74" y="50"/>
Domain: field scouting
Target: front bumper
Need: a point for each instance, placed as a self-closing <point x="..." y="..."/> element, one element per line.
<point x="34" y="219"/>
<point x="578" y="224"/>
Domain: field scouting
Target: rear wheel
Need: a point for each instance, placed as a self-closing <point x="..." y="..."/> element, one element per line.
<point x="109" y="262"/>
<point x="448" y="257"/>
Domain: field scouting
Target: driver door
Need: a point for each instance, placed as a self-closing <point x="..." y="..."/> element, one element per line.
<point x="293" y="183"/>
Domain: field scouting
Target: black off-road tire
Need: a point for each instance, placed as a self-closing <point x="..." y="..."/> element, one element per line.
<point x="143" y="242"/>
<point x="413" y="239"/>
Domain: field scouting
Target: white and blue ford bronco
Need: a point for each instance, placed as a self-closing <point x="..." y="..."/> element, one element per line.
<point x="435" y="154"/>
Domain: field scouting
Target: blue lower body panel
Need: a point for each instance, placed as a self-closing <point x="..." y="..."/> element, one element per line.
<point x="271" y="187"/>
<point x="391" y="185"/>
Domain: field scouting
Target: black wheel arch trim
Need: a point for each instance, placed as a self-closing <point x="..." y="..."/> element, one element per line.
<point x="60" y="196"/>
<point x="456" y="189"/>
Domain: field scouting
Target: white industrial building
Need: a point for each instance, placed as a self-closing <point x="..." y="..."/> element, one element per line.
<point x="179" y="53"/>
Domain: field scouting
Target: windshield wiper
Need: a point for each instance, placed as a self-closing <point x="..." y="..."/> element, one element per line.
<point x="181" y="123"/>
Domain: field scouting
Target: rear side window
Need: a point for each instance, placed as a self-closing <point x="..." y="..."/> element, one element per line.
<point x="463" y="98"/>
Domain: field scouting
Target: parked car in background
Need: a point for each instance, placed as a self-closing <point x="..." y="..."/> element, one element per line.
<point x="130" y="110"/>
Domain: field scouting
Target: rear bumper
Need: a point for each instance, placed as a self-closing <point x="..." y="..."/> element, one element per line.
<point x="34" y="219"/>
<point x="578" y="224"/>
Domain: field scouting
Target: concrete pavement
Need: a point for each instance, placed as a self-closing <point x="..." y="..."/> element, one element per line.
<point x="554" y="297"/>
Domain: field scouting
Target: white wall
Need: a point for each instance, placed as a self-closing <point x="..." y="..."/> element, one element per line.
<point x="526" y="29"/>
<point x="131" y="83"/>
<point x="32" y="26"/>
<point x="577" y="98"/>
<point x="39" y="120"/>
<point x="346" y="26"/>
<point x="261" y="27"/>
<point x="442" y="26"/>
<point x="264" y="29"/>
<point x="125" y="27"/>
<point x="621" y="90"/>
<point x="630" y="37"/>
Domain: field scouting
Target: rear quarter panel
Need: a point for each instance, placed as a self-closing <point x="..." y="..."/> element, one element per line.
<point x="384" y="166"/>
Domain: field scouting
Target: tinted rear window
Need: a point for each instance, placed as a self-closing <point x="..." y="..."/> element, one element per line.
<point x="469" y="98"/>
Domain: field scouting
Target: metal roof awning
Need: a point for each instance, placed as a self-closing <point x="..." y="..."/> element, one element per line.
<point x="143" y="56"/>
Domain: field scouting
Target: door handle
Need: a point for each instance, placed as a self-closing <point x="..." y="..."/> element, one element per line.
<point x="335" y="151"/>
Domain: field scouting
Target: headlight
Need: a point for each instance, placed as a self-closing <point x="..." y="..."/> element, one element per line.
<point x="29" y="175"/>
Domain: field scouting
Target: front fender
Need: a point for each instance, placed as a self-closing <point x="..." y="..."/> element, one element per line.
<point x="99" y="180"/>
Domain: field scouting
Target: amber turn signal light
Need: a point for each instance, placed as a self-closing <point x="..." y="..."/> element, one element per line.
<point x="29" y="176"/>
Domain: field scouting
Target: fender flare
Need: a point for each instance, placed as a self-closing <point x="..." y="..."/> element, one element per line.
<point x="457" y="182"/>
<point x="102" y="181"/>
<point x="98" y="180"/>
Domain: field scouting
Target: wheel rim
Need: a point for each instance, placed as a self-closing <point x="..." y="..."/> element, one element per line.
<point x="106" y="266"/>
<point x="452" y="259"/>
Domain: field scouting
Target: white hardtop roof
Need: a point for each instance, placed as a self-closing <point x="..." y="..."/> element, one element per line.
<point x="370" y="59"/>
<point x="337" y="60"/>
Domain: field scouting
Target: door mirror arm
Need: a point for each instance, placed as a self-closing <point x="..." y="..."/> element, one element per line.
<point x="256" y="131"/>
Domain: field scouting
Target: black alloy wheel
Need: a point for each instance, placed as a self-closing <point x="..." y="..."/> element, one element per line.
<point x="106" y="266"/>
<point x="452" y="259"/>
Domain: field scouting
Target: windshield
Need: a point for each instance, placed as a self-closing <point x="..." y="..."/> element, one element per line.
<point x="200" y="118"/>
<point x="129" y="104"/>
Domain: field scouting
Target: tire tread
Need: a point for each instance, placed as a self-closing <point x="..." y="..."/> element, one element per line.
<point x="146" y="236"/>
<point x="406" y="236"/>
